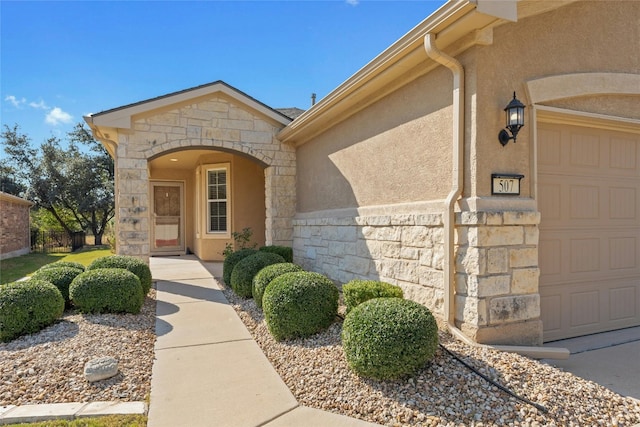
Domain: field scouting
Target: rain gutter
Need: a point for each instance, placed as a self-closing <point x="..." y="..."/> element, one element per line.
<point x="455" y="193"/>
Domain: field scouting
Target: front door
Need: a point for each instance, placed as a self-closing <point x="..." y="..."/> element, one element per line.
<point x="167" y="229"/>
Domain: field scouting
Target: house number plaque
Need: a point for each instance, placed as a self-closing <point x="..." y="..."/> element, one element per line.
<point x="505" y="184"/>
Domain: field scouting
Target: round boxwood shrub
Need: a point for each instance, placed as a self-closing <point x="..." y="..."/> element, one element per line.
<point x="61" y="277"/>
<point x="231" y="261"/>
<point x="134" y="265"/>
<point x="299" y="304"/>
<point x="107" y="290"/>
<point x="28" y="306"/>
<point x="59" y="264"/>
<point x="358" y="291"/>
<point x="245" y="270"/>
<point x="388" y="338"/>
<point x="284" y="251"/>
<point x="266" y="275"/>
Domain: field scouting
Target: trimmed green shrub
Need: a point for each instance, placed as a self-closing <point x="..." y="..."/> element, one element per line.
<point x="245" y="270"/>
<point x="388" y="338"/>
<point x="358" y="291"/>
<point x="61" y="277"/>
<point x="28" y="306"/>
<point x="299" y="304"/>
<point x="231" y="261"/>
<point x="134" y="265"/>
<point x="284" y="251"/>
<point x="107" y="290"/>
<point x="59" y="264"/>
<point x="266" y="275"/>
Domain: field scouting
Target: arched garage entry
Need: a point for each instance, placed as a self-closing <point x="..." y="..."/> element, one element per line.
<point x="588" y="192"/>
<point x="207" y="161"/>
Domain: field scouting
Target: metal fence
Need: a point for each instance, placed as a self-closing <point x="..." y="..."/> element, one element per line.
<point x="56" y="241"/>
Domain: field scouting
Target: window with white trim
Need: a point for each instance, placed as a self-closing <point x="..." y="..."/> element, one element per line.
<point x="217" y="200"/>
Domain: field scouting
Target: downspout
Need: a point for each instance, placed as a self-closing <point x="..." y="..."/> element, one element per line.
<point x="457" y="182"/>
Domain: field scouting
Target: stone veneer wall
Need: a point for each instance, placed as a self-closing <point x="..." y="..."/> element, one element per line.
<point x="405" y="250"/>
<point x="15" y="236"/>
<point x="213" y="123"/>
<point x="497" y="298"/>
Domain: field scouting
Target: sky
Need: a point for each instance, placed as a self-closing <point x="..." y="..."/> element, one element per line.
<point x="62" y="60"/>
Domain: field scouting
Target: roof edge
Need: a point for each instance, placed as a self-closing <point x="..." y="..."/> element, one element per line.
<point x="452" y="21"/>
<point x="16" y="199"/>
<point x="120" y="117"/>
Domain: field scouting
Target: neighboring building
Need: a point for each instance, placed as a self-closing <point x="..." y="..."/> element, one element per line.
<point x="390" y="176"/>
<point x="15" y="232"/>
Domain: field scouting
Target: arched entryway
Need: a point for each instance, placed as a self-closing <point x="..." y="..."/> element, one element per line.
<point x="212" y="153"/>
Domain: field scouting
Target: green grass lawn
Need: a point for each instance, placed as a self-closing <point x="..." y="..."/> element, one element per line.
<point x="111" y="421"/>
<point x="16" y="268"/>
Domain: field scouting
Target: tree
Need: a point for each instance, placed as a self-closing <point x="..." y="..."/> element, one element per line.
<point x="74" y="185"/>
<point x="8" y="184"/>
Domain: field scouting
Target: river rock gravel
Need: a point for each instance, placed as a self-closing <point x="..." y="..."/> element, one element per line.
<point x="444" y="393"/>
<point x="47" y="367"/>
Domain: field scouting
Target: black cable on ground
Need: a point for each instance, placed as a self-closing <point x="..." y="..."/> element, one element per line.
<point x="487" y="379"/>
<point x="492" y="382"/>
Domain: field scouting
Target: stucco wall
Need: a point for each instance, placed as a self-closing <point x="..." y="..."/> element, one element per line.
<point x="15" y="235"/>
<point x="582" y="37"/>
<point x="396" y="151"/>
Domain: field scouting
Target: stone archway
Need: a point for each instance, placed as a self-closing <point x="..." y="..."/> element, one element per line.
<point x="214" y="116"/>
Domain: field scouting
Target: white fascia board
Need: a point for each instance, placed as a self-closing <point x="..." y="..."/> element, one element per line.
<point x="504" y="9"/>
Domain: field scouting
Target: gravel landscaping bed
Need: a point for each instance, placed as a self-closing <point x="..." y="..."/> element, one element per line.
<point x="445" y="393"/>
<point x="47" y="367"/>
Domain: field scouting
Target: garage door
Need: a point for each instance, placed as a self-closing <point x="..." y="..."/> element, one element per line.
<point x="589" y="253"/>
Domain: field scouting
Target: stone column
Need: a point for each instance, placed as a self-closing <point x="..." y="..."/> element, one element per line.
<point x="497" y="299"/>
<point x="280" y="202"/>
<point x="132" y="202"/>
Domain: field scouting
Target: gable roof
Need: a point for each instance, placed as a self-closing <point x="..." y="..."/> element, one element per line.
<point x="120" y="117"/>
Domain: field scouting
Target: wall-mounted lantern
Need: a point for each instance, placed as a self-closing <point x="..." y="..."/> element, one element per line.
<point x="515" y="120"/>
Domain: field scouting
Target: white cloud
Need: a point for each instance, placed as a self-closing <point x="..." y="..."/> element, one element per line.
<point x="57" y="116"/>
<point x="15" y="101"/>
<point x="39" y="105"/>
<point x="353" y="2"/>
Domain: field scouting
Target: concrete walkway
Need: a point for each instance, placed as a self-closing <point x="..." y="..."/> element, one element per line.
<point x="208" y="369"/>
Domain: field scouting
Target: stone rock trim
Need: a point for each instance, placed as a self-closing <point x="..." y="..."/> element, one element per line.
<point x="497" y="276"/>
<point x="496" y="264"/>
<point x="405" y="250"/>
